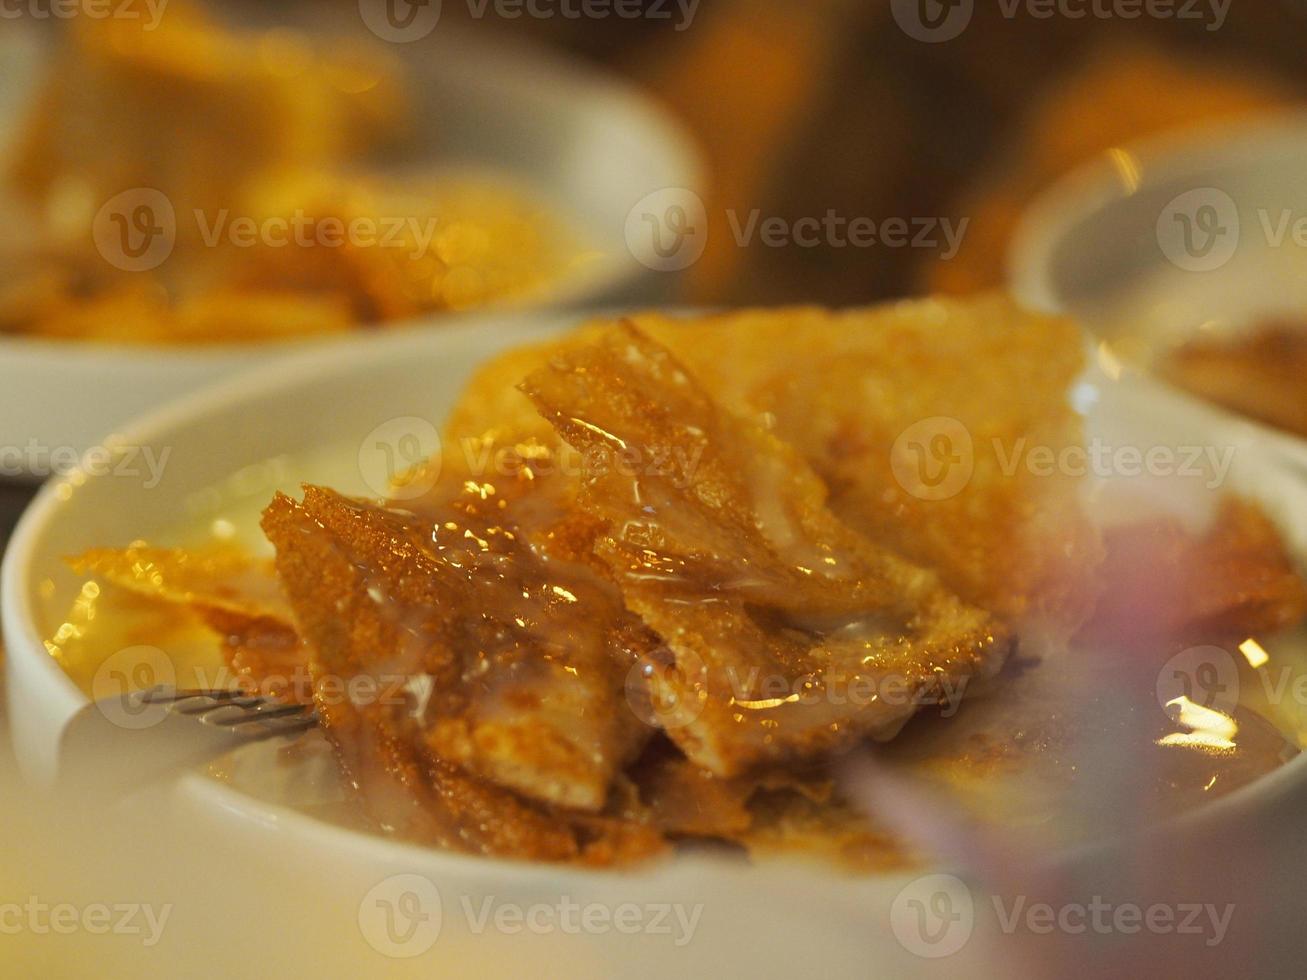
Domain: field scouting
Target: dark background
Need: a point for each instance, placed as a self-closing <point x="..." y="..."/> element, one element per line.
<point x="807" y="106"/>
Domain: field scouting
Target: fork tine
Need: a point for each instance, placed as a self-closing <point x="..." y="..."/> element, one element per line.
<point x="238" y="715"/>
<point x="202" y="708"/>
<point x="163" y="695"/>
<point x="233" y="710"/>
<point x="264" y="714"/>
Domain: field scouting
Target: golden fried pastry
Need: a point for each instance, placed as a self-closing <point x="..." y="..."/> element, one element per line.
<point x="668" y="569"/>
<point x="768" y="813"/>
<point x="919" y="416"/>
<point x="517" y="658"/>
<point x="252" y="164"/>
<point x="236" y="596"/>
<point x="788" y="628"/>
<point x="864" y="396"/>
<point x="1260" y="375"/>
<point x="226" y="579"/>
<point x="1162" y="581"/>
<point x="194" y="111"/>
<point x="503" y="675"/>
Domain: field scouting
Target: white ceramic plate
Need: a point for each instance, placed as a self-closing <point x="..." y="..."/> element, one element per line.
<point x="324" y="410"/>
<point x="337" y="398"/>
<point x="1193" y="232"/>
<point x="586" y="142"/>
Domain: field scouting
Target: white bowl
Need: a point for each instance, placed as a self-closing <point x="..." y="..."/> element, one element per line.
<point x="336" y="397"/>
<point x="321" y="409"/>
<point x="585" y="141"/>
<point x="1107" y="243"/>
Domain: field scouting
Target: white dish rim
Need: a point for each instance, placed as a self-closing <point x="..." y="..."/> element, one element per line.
<point x="23" y="638"/>
<point x="1098" y="183"/>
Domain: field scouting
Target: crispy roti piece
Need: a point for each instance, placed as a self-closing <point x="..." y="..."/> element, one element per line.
<point x="921" y="418"/>
<point x="792" y="634"/>
<point x="268" y="656"/>
<point x="226" y="579"/>
<point x="519" y="657"/>
<point x="1259" y="374"/>
<point x="768" y="812"/>
<point x="1232" y="581"/>
<point x="866" y="396"/>
<point x="236" y="596"/>
<point x="374" y="601"/>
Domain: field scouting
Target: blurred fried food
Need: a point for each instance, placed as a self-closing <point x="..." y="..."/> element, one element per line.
<point x="266" y="148"/>
<point x="1232" y="581"/>
<point x="196" y="112"/>
<point x="1261" y="374"/>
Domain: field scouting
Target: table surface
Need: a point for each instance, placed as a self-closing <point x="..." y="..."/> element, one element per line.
<point x="13" y="499"/>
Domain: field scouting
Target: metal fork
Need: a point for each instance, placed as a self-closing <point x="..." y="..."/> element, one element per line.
<point x="117" y="746"/>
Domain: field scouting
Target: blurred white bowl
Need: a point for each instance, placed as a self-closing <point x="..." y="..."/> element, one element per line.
<point x="1186" y="234"/>
<point x="587" y="143"/>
